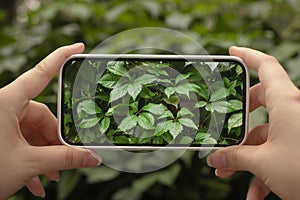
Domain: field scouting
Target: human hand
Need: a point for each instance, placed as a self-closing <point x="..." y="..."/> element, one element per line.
<point x="272" y="150"/>
<point x="29" y="143"/>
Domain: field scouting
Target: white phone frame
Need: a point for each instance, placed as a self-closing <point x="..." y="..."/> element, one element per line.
<point x="151" y="56"/>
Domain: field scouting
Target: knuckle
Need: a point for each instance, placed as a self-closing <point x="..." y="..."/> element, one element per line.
<point x="62" y="52"/>
<point x="271" y="59"/>
<point x="69" y="158"/>
<point x="43" y="114"/>
<point x="41" y="68"/>
<point x="44" y="108"/>
<point x="235" y="158"/>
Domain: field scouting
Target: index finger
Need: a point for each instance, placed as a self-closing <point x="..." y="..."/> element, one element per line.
<point x="271" y="74"/>
<point x="31" y="83"/>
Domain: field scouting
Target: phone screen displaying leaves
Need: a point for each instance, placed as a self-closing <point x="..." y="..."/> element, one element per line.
<point x="126" y="101"/>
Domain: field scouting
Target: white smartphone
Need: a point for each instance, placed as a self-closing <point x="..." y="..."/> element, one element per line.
<point x="149" y="102"/>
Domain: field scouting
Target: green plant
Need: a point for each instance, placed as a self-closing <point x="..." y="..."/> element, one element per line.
<point x="151" y="102"/>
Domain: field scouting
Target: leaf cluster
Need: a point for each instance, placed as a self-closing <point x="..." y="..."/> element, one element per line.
<point x="143" y="102"/>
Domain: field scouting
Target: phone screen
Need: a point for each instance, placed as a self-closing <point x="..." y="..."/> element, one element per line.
<point x="144" y="101"/>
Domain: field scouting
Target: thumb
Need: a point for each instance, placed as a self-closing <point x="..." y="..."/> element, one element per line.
<point x="55" y="158"/>
<point x="238" y="158"/>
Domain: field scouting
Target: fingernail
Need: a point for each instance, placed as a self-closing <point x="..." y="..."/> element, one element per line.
<point x="217" y="160"/>
<point x="216" y="173"/>
<point x="57" y="179"/>
<point x="43" y="195"/>
<point x="78" y="44"/>
<point x="91" y="159"/>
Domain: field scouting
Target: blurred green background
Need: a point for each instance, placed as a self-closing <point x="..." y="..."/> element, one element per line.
<point x="31" y="29"/>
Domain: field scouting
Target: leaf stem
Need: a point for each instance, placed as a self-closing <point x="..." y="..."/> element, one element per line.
<point x="233" y="139"/>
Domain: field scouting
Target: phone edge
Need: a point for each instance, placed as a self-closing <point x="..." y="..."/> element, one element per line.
<point x="138" y="148"/>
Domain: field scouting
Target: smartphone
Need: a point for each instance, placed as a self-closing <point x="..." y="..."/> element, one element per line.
<point x="148" y="102"/>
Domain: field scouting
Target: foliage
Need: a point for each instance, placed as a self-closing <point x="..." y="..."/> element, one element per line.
<point x="139" y="102"/>
<point x="38" y="27"/>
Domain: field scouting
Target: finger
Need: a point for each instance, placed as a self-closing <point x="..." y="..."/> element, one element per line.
<point x="258" y="135"/>
<point x="257" y="190"/>
<point x="32" y="135"/>
<point x="224" y="173"/>
<point x="55" y="158"/>
<point x="31" y="83"/>
<point x="36" y="187"/>
<point x="53" y="176"/>
<point x="257" y="97"/>
<point x="39" y="125"/>
<point x="235" y="158"/>
<point x="271" y="74"/>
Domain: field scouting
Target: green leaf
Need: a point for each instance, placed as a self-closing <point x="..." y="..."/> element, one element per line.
<point x="146" y="93"/>
<point x="184" y="111"/>
<point x="158" y="72"/>
<point x="219" y="94"/>
<point x="232" y="84"/>
<point x="221" y="106"/>
<point x="235" y="120"/>
<point x="224" y="142"/>
<point x="117" y="109"/>
<point x="175" y="128"/>
<point x="157" y="109"/>
<point x="173" y="100"/>
<point x="209" y="108"/>
<point x="134" y="89"/>
<point x="209" y="140"/>
<point x="121" y="139"/>
<point x="232" y="91"/>
<point x="167" y="137"/>
<point x="226" y="81"/>
<point x="169" y="91"/>
<point x="67" y="119"/>
<point x="146" y="79"/>
<point x="88" y="123"/>
<point x="201" y="136"/>
<point x="128" y="123"/>
<point x="104" y="124"/>
<point x="200" y="104"/>
<point x="118" y="92"/>
<point x="161" y="128"/>
<point x="117" y="68"/>
<point x="204" y="92"/>
<point x="236" y="105"/>
<point x="103" y="96"/>
<point x="164" y="81"/>
<point x="188" y="122"/>
<point x="144" y="140"/>
<point x="158" y="140"/>
<point x="204" y="138"/>
<point x="186" y="140"/>
<point x="183" y="89"/>
<point x="238" y="70"/>
<point x="108" y="81"/>
<point x="135" y="106"/>
<point x="182" y="77"/>
<point x="89" y="107"/>
<point x="166" y="114"/>
<point x="146" y="120"/>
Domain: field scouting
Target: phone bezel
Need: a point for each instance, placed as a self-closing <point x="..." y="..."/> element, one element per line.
<point x="152" y="56"/>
